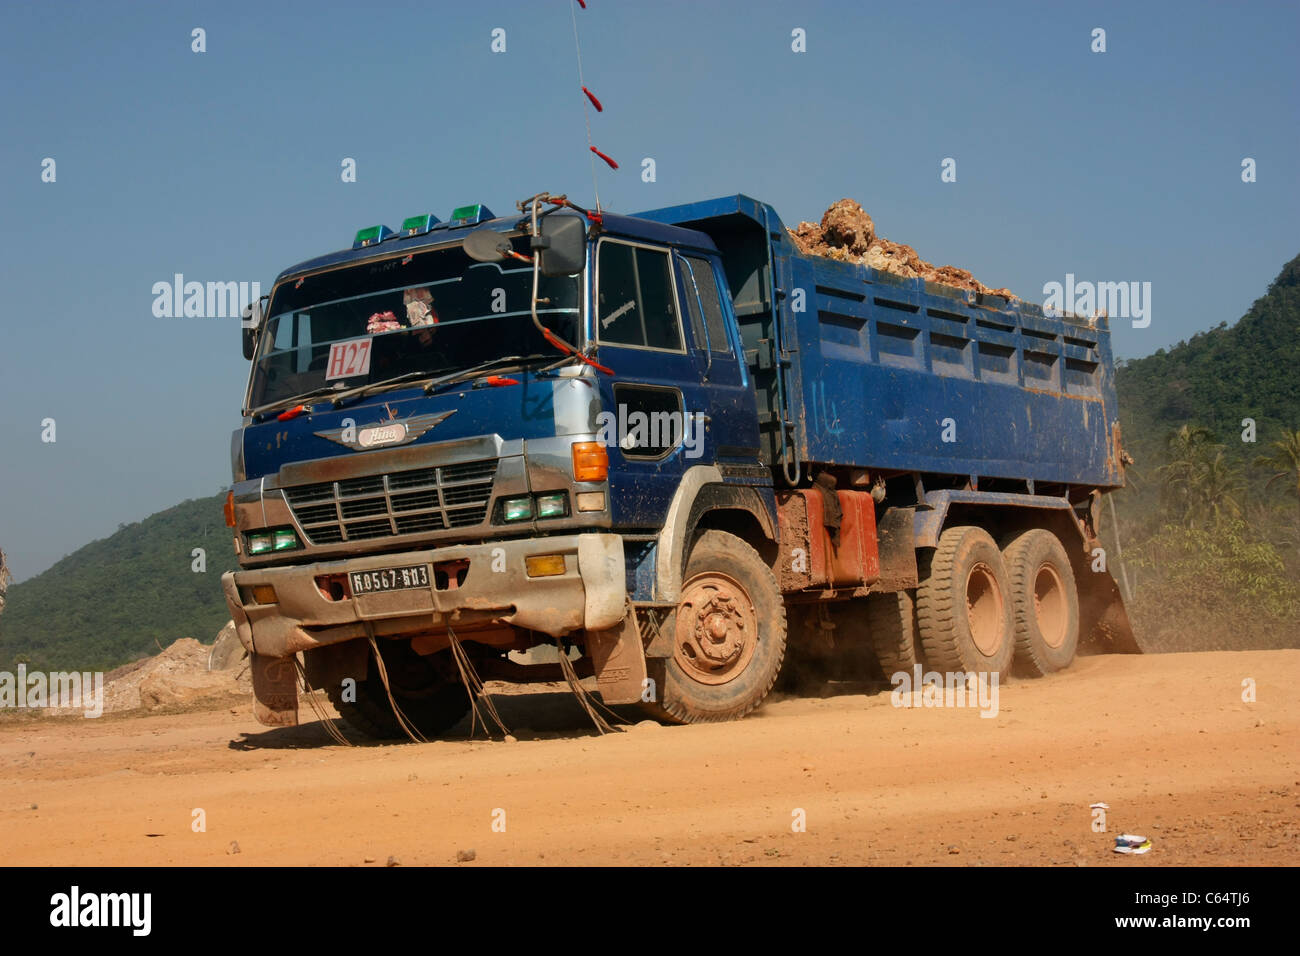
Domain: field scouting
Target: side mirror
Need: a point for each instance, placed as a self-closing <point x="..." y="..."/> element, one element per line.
<point x="251" y="326"/>
<point x="487" y="245"/>
<point x="561" y="249"/>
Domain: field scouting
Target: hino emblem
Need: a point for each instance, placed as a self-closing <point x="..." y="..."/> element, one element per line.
<point x="393" y="431"/>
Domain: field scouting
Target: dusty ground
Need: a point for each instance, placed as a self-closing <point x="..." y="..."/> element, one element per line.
<point x="1165" y="740"/>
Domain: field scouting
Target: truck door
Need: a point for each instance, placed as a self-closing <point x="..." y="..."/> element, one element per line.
<point x="656" y="385"/>
<point x="732" y="411"/>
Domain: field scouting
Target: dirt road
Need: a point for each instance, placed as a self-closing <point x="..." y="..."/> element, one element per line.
<point x="1167" y="741"/>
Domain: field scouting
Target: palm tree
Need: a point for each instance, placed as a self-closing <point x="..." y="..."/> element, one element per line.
<point x="1217" y="489"/>
<point x="1186" y="440"/>
<point x="1284" y="462"/>
<point x="1188" y="451"/>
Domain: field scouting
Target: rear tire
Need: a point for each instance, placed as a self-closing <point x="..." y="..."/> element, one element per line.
<point x="812" y="656"/>
<point x="963" y="605"/>
<point x="891" y="619"/>
<point x="1045" y="603"/>
<point x="431" y="703"/>
<point x="728" y="634"/>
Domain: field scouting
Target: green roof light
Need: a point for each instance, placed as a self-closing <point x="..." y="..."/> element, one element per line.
<point x="373" y="235"/>
<point x="418" y="225"/>
<point x="470" y="215"/>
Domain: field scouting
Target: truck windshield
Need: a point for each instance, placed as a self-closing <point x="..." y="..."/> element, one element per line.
<point x="438" y="313"/>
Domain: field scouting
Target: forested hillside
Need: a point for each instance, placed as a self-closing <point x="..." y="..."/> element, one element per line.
<point x="124" y="596"/>
<point x="1211" y="517"/>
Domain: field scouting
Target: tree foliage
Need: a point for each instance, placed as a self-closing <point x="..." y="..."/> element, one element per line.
<point x="1211" y="523"/>
<point x="124" y="596"/>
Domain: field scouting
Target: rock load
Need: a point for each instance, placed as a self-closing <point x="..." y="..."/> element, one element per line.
<point x="847" y="233"/>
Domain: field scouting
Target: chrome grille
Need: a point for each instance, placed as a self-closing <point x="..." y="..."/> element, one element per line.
<point x="401" y="502"/>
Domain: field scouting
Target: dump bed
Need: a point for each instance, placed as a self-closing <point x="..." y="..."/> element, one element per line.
<point x="901" y="375"/>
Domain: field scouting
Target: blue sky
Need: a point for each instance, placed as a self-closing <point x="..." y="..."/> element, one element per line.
<point x="225" y="166"/>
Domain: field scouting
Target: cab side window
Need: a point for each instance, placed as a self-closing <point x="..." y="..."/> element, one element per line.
<point x="697" y="274"/>
<point x="635" y="304"/>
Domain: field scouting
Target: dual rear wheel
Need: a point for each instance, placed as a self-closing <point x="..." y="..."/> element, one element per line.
<point x="982" y="610"/>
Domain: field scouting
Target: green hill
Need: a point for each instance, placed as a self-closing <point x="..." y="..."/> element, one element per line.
<point x="1217" y="378"/>
<point x="124" y="596"/>
<point x="1209" y="520"/>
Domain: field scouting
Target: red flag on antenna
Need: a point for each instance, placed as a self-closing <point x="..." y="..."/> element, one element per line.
<point x="612" y="164"/>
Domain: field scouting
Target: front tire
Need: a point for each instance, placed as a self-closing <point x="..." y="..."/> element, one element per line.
<point x="430" y="701"/>
<point x="728" y="634"/>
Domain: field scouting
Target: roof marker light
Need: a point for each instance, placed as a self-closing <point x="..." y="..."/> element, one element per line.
<point x="372" y="236"/>
<point x="418" y="225"/>
<point x="469" y="215"/>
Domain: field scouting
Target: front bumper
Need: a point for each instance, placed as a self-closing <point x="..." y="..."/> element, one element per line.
<point x="590" y="594"/>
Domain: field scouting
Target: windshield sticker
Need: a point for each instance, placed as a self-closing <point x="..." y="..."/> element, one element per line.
<point x="608" y="320"/>
<point x="348" y="359"/>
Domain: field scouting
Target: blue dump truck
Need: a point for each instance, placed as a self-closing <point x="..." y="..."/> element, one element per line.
<point x="669" y="445"/>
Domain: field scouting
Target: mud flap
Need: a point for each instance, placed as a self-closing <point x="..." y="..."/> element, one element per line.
<point x="1104" y="626"/>
<point x="619" y="661"/>
<point x="275" y="687"/>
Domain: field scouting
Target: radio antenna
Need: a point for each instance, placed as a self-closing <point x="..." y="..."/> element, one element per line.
<point x="588" y="101"/>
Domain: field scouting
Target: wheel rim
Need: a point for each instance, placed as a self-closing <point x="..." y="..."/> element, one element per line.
<point x="984" y="609"/>
<point x="717" y="629"/>
<point x="1050" y="611"/>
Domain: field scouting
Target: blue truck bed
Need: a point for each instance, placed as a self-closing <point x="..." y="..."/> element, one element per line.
<point x="871" y="370"/>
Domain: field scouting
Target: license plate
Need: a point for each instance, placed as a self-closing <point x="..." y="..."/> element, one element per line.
<point x="389" y="579"/>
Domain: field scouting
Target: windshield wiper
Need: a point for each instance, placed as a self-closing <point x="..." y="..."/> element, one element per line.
<point x="342" y="397"/>
<point x="497" y="363"/>
<point x="339" y="397"/>
<point x="457" y="376"/>
<point x="289" y="402"/>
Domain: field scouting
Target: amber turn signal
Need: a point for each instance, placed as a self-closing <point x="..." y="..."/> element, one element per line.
<point x="265" y="594"/>
<point x="230" y="509"/>
<point x="544" y="565"/>
<point x="590" y="461"/>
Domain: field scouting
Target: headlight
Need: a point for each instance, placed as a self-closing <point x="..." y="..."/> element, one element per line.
<point x="552" y="506"/>
<point x="285" y="539"/>
<point x="517" y="509"/>
<point x="273" y="539"/>
<point x="260" y="543"/>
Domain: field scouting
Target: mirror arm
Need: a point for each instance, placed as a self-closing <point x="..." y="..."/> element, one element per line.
<point x="547" y="334"/>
